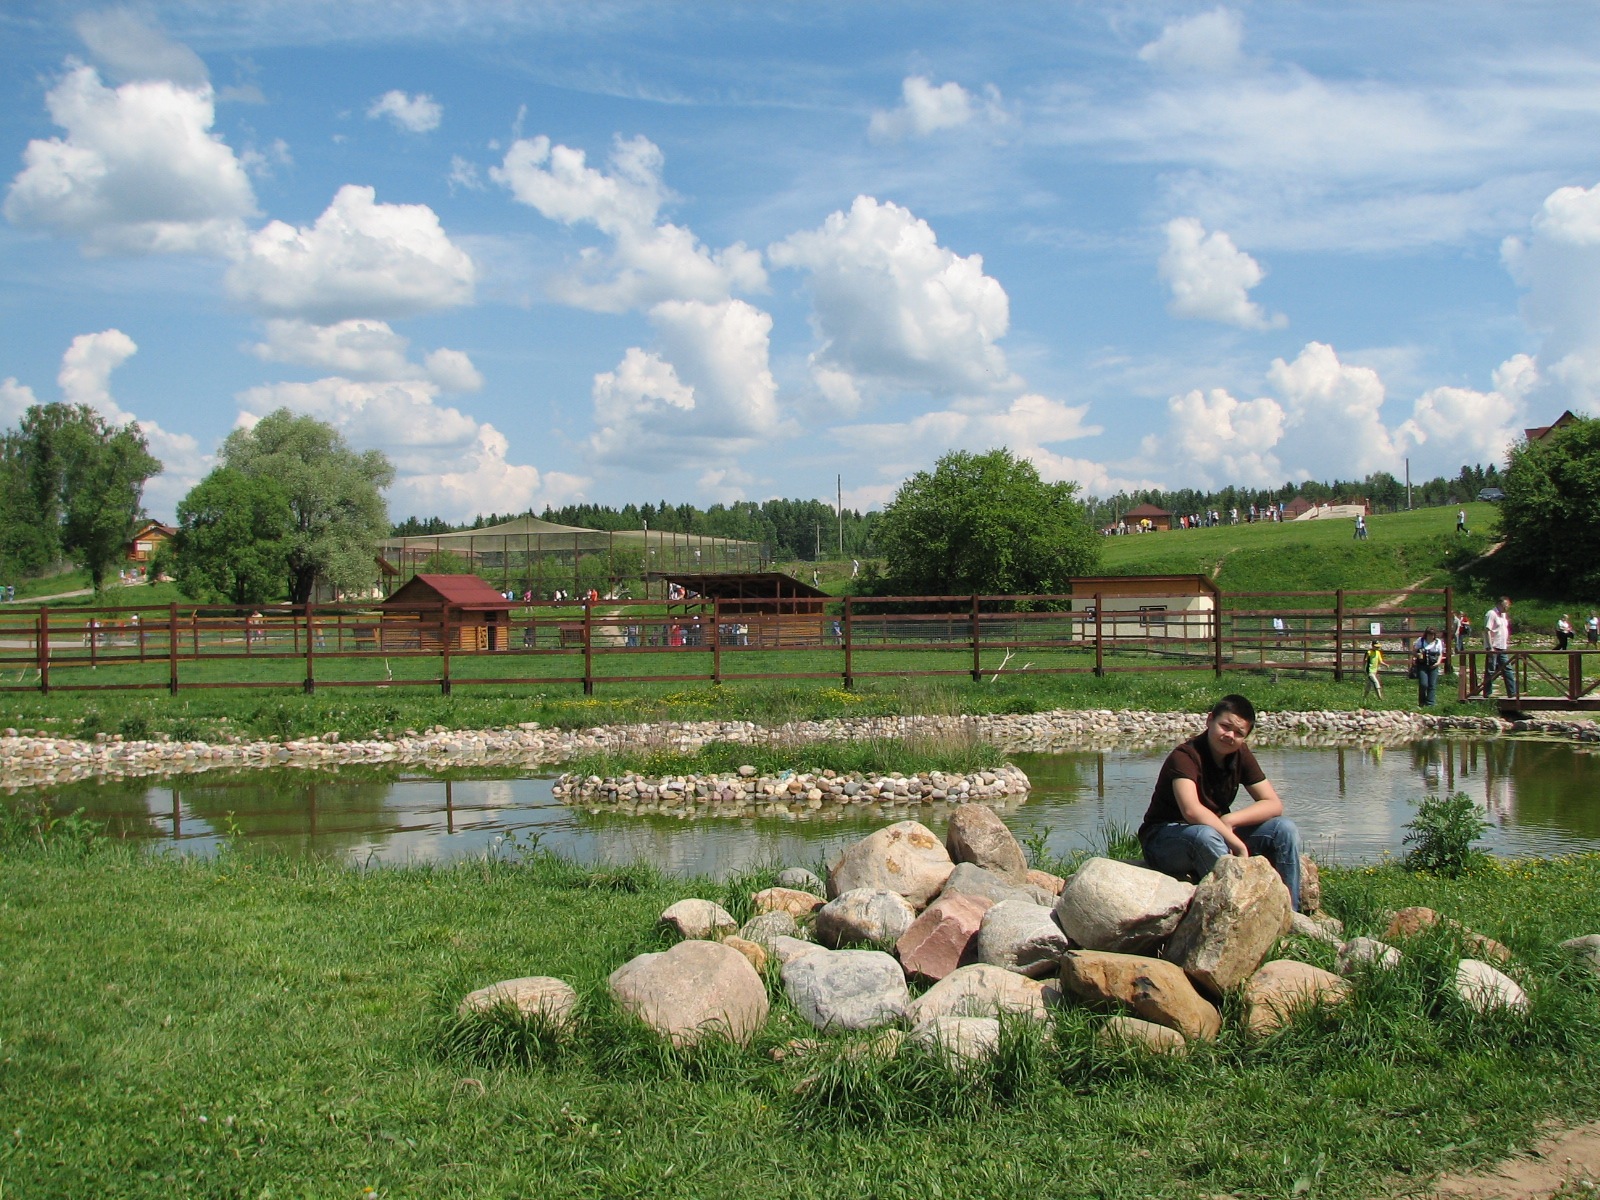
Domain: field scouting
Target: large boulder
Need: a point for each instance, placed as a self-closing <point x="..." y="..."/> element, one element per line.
<point x="541" y="996"/>
<point x="1044" y="879"/>
<point x="1111" y="905"/>
<point x="1318" y="929"/>
<point x="693" y="991"/>
<point x="969" y="879"/>
<point x="1484" y="989"/>
<point x="905" y="858"/>
<point x="970" y="1039"/>
<point x="1239" y="909"/>
<point x="977" y="835"/>
<point x="787" y="949"/>
<point x="1131" y="1031"/>
<point x="979" y="990"/>
<point x="1281" y="988"/>
<point x="699" y="919"/>
<point x="765" y="929"/>
<point x="1155" y="990"/>
<point x="788" y="900"/>
<point x="1023" y="937"/>
<point x="1585" y="949"/>
<point x="938" y="939"/>
<point x="754" y="951"/>
<point x="847" y="989"/>
<point x="871" y="915"/>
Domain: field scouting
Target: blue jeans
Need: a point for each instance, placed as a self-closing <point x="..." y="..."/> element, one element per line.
<point x="1187" y="851"/>
<point x="1499" y="664"/>
<point x="1427" y="685"/>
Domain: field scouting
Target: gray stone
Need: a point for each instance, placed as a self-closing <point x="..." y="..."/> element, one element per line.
<point x="977" y="835"/>
<point x="1484" y="989"/>
<point x="1240" y="908"/>
<point x="764" y="929"/>
<point x="787" y="949"/>
<point x="532" y="996"/>
<point x="904" y="858"/>
<point x="1329" y="931"/>
<point x="1364" y="951"/>
<point x="980" y="990"/>
<point x="699" y="919"/>
<point x="1023" y="937"/>
<point x="847" y="989"/>
<point x="800" y="879"/>
<point x="1110" y="905"/>
<point x="969" y="879"/>
<point x="693" y="991"/>
<point x="1585" y="949"/>
<point x="864" y="915"/>
<point x="970" y="1039"/>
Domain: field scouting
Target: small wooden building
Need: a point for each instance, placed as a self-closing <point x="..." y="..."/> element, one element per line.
<point x="1538" y="433"/>
<point x="419" y="611"/>
<point x="1147" y="516"/>
<point x="1146" y="606"/>
<point x="147" y="539"/>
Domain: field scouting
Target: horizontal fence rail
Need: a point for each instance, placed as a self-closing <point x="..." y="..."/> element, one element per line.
<point x="554" y="643"/>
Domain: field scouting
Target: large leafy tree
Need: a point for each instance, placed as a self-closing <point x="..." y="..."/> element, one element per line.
<point x="985" y="523"/>
<point x="233" y="538"/>
<point x="334" y="493"/>
<point x="74" y="485"/>
<point x="1548" y="516"/>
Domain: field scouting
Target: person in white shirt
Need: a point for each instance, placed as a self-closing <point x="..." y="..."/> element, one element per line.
<point x="1563" y="632"/>
<point x="1497" y="641"/>
<point x="1591" y="627"/>
<point x="1461" y="521"/>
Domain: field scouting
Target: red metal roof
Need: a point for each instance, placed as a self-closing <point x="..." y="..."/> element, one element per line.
<point x="1145" y="510"/>
<point x="458" y="591"/>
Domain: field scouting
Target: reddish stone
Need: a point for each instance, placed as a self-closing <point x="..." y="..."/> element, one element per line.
<point x="937" y="941"/>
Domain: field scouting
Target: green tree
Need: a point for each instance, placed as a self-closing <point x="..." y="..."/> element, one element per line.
<point x="985" y="523"/>
<point x="444" y="562"/>
<point x="233" y="538"/>
<point x="334" y="493"/>
<point x="1552" y="491"/>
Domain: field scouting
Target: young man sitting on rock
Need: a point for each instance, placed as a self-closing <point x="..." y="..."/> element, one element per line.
<point x="1190" y="823"/>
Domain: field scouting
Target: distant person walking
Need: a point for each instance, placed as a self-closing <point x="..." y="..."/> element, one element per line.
<point x="1591" y="627"/>
<point x="1361" y="527"/>
<point x="1373" y="664"/>
<point x="1428" y="651"/>
<point x="1461" y="521"/>
<point x="1563" y="632"/>
<point x="1497" y="641"/>
<point x="1463" y="633"/>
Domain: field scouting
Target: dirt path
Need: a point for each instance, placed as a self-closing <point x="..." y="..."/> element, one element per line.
<point x="1565" y="1164"/>
<point x="1400" y="597"/>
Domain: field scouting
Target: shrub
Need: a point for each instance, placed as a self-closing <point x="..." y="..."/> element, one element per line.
<point x="1442" y="834"/>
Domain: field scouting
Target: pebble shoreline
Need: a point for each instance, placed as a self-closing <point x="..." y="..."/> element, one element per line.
<point x="29" y="760"/>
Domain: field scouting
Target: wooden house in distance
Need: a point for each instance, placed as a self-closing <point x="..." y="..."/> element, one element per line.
<point x="415" y="615"/>
<point x="147" y="539"/>
<point x="1148" y="606"/>
<point x="1137" y="516"/>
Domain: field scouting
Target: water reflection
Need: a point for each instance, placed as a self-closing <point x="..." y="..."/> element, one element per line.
<point x="1352" y="804"/>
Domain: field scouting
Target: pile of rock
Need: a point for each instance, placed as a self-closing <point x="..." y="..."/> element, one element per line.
<point x="993" y="938"/>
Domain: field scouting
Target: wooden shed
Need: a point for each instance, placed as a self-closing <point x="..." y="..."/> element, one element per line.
<point x="1158" y="518"/>
<point x="147" y="539"/>
<point x="418" y="612"/>
<point x="1147" y="606"/>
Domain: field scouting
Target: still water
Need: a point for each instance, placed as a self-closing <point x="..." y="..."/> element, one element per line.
<point x="1542" y="797"/>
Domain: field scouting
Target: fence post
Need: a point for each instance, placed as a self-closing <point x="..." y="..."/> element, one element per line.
<point x="588" y="645"/>
<point x="1449" y="633"/>
<point x="849" y="673"/>
<point x="44" y="650"/>
<point x="1338" y="636"/>
<point x="311" y="670"/>
<point x="716" y="640"/>
<point x="977" y="648"/>
<point x="444" y="646"/>
<point x="172" y="648"/>
<point x="1099" y="637"/>
<point x="1216" y="653"/>
<point x="1574" y="674"/>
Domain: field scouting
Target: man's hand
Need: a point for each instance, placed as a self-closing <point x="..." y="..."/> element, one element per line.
<point x="1236" y="845"/>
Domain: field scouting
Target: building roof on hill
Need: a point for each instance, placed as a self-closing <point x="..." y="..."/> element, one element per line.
<point x="1145" y="510"/>
<point x="466" y="592"/>
<point x="1540" y="432"/>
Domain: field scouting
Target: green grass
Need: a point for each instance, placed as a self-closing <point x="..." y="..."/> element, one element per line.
<point x="252" y="1026"/>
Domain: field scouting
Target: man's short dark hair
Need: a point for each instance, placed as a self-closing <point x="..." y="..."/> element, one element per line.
<point x="1236" y="704"/>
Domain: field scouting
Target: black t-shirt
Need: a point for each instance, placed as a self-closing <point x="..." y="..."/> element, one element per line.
<point x="1217" y="785"/>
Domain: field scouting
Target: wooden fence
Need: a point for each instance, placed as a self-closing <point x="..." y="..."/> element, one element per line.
<point x="183" y="647"/>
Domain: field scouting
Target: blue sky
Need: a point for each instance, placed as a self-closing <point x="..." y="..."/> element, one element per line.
<point x="547" y="252"/>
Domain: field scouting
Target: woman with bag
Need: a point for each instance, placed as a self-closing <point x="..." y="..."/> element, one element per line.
<point x="1425" y="658"/>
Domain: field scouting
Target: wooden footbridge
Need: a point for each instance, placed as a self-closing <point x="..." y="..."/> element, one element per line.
<point x="1547" y="680"/>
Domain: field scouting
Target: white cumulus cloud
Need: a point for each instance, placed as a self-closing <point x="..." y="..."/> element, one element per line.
<point x="1214" y="439"/>
<point x="130" y="47"/>
<point x="360" y="259"/>
<point x="897" y="310"/>
<point x="15" y="400"/>
<point x="1210" y="278"/>
<point x="926" y="107"/>
<point x="649" y="260"/>
<point x="364" y="349"/>
<point x="1205" y="42"/>
<point x="138" y="171"/>
<point x="412" y="114"/>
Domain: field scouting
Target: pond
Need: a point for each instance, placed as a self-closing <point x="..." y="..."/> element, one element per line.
<point x="1542" y="797"/>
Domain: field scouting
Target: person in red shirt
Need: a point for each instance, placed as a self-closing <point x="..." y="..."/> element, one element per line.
<point x="1191" y="821"/>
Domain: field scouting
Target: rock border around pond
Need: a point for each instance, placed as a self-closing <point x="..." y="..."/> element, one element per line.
<point x="31" y="760"/>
